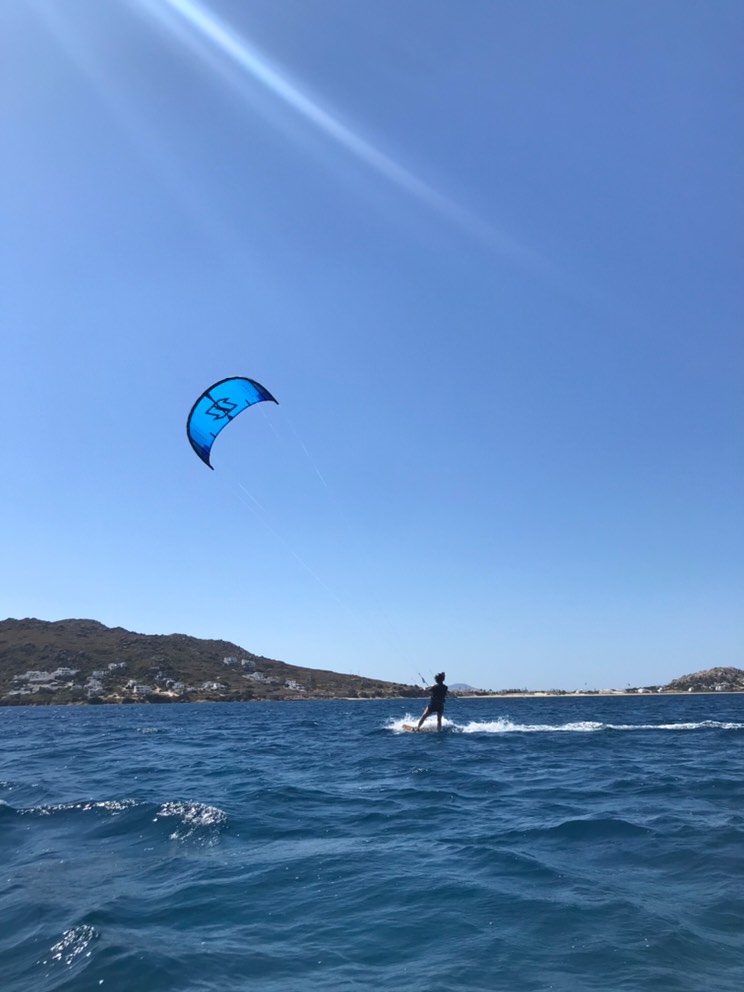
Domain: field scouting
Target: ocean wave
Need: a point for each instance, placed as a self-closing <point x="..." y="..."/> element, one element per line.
<point x="598" y="828"/>
<point x="193" y="819"/>
<point x="186" y="819"/>
<point x="72" y="944"/>
<point x="100" y="806"/>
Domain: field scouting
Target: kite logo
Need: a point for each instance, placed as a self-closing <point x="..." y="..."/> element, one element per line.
<point x="220" y="409"/>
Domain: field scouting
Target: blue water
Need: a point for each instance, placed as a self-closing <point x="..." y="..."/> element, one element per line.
<point x="567" y="844"/>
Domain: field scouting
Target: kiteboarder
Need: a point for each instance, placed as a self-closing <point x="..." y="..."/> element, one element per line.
<point x="437" y="692"/>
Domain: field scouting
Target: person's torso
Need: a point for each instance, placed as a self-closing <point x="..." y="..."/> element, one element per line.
<point x="438" y="692"/>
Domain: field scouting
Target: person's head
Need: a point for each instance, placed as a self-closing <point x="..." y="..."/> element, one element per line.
<point x="439" y="678"/>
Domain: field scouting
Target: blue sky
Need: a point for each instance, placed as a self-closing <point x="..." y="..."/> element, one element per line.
<point x="487" y="256"/>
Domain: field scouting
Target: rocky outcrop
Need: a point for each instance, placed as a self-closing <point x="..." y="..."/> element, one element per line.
<point x="710" y="680"/>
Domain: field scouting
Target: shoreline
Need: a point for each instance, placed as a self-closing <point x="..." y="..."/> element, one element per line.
<point x="356" y="699"/>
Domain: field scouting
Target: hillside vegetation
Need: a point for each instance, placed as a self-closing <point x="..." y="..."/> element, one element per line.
<point x="84" y="661"/>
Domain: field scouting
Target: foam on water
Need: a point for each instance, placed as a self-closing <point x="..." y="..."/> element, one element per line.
<point x="504" y="725"/>
<point x="100" y="806"/>
<point x="187" y="820"/>
<point x="398" y="724"/>
<point x="72" y="944"/>
<point x="588" y="726"/>
<point x="193" y="819"/>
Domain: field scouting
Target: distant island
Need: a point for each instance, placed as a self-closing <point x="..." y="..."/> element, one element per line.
<point x="83" y="661"/>
<point x="708" y="680"/>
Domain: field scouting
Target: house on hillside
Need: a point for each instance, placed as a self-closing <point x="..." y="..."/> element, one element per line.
<point x="138" y="688"/>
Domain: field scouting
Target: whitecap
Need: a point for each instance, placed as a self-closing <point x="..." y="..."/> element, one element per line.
<point x="73" y="943"/>
<point x="192" y="818"/>
<point x="107" y="805"/>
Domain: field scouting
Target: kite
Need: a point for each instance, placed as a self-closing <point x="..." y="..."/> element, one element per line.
<point x="217" y="406"/>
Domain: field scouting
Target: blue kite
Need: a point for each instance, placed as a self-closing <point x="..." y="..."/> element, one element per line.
<point x="217" y="406"/>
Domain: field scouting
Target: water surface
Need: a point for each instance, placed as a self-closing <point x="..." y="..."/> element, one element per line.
<point x="569" y="844"/>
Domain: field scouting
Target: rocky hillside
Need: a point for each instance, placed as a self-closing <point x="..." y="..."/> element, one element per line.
<point x="710" y="680"/>
<point x="84" y="661"/>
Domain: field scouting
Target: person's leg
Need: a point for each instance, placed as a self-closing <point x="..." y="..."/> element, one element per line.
<point x="423" y="717"/>
<point x="439" y="720"/>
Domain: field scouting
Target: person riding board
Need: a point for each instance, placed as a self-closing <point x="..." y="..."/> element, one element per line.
<point x="437" y="692"/>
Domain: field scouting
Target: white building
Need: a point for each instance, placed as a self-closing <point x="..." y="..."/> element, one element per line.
<point x="259" y="677"/>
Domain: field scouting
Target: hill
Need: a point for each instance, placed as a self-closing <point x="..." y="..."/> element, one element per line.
<point x="69" y="661"/>
<point x="710" y="680"/>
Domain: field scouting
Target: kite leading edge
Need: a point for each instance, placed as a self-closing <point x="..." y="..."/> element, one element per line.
<point x="217" y="406"/>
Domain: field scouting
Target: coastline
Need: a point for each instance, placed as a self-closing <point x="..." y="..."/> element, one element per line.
<point x="176" y="701"/>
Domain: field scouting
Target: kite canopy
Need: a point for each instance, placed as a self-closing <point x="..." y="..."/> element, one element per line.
<point x="217" y="406"/>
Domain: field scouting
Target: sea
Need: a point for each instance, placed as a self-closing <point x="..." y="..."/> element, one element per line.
<point x="569" y="843"/>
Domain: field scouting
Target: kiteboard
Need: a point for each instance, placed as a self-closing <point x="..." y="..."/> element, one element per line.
<point x="409" y="727"/>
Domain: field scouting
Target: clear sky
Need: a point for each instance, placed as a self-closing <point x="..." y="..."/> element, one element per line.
<point x="486" y="255"/>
